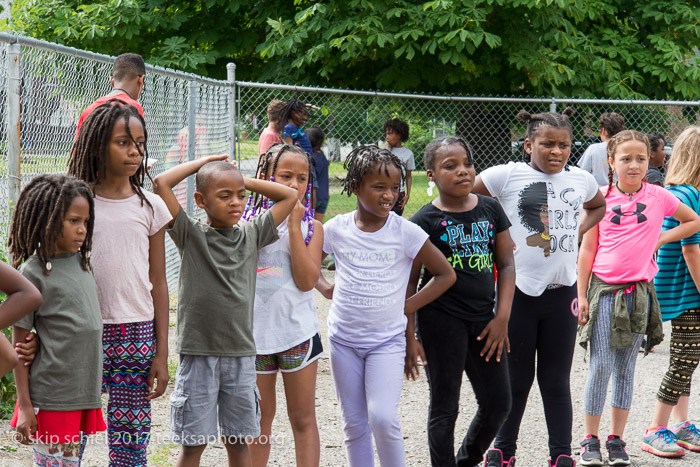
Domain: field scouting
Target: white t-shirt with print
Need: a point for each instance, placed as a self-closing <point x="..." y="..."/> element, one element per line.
<point x="546" y="212"/>
<point x="372" y="270"/>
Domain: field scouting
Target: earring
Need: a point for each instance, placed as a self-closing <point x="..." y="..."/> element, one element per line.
<point x="48" y="265"/>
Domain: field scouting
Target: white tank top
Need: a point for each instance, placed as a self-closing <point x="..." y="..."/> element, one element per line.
<point x="284" y="315"/>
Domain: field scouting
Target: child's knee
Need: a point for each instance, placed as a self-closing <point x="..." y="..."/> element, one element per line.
<point x="384" y="424"/>
<point x="302" y="420"/>
<point x="193" y="451"/>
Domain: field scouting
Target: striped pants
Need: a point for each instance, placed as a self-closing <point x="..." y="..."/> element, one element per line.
<point x="684" y="357"/>
<point x="619" y="363"/>
<point x="128" y="353"/>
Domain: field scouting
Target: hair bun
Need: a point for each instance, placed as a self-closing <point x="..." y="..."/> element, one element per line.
<point x="568" y="112"/>
<point x="524" y="116"/>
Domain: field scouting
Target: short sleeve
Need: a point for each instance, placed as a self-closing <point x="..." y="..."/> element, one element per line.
<point x="495" y="178"/>
<point x="592" y="187"/>
<point x="410" y="161"/>
<point x="328" y="236"/>
<point x="161" y="214"/>
<point x="586" y="162"/>
<point x="690" y="197"/>
<point x="27" y="321"/>
<point x="421" y="219"/>
<point x="265" y="228"/>
<point x="413" y="236"/>
<point x="654" y="177"/>
<point x="289" y="131"/>
<point x="670" y="202"/>
<point x="179" y="232"/>
<point x="501" y="221"/>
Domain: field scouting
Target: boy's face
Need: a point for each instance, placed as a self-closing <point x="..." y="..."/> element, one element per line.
<point x="223" y="199"/>
<point x="393" y="139"/>
<point x="299" y="117"/>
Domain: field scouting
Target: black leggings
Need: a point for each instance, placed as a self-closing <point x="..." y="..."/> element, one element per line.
<point x="544" y="326"/>
<point x="452" y="349"/>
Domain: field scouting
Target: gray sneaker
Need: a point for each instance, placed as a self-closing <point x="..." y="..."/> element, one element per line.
<point x="663" y="443"/>
<point x="590" y="451"/>
<point x="617" y="454"/>
<point x="688" y="436"/>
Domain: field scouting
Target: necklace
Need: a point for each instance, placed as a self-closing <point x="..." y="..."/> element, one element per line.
<point x="628" y="194"/>
<point x="122" y="90"/>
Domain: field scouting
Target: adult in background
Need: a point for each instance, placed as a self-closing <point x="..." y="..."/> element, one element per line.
<point x="657" y="159"/>
<point x="128" y="73"/>
<point x="595" y="158"/>
<point x="271" y="134"/>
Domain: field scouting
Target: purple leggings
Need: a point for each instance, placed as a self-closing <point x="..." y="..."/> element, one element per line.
<point x="368" y="384"/>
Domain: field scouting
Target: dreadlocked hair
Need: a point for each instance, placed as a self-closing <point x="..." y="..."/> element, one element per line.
<point x="545" y="120"/>
<point x="616" y="140"/>
<point x="362" y="160"/>
<point x="37" y="222"/>
<point x="292" y="105"/>
<point x="89" y="155"/>
<point x="267" y="167"/>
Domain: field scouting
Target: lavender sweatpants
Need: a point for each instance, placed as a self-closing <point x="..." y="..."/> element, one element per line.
<point x="368" y="384"/>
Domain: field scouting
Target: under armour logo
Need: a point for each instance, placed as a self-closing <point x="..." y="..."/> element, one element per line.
<point x="618" y="214"/>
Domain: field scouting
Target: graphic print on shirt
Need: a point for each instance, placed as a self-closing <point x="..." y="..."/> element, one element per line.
<point x="373" y="269"/>
<point x="274" y="271"/>
<point x="534" y="215"/>
<point x="470" y="249"/>
<point x="617" y="218"/>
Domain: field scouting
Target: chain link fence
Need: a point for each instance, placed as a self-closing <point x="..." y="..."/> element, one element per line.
<point x="44" y="87"/>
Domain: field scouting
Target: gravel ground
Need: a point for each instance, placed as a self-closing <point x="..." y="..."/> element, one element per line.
<point x="413" y="413"/>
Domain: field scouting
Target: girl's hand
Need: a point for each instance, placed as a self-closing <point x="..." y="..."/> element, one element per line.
<point x="26" y="425"/>
<point x="220" y="157"/>
<point x="295" y="217"/>
<point x="27" y="350"/>
<point x="414" y="349"/>
<point x="582" y="311"/>
<point x="496" y="335"/>
<point x="325" y="288"/>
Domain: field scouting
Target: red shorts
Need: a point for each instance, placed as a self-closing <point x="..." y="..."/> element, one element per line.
<point x="64" y="427"/>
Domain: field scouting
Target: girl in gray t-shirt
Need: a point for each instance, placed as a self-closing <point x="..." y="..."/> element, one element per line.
<point x="58" y="398"/>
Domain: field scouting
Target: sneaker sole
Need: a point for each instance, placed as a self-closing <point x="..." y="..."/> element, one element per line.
<point x="592" y="462"/>
<point x="619" y="462"/>
<point x="688" y="446"/>
<point x="650" y="449"/>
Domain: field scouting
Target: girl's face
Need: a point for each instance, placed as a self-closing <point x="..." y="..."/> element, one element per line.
<point x="293" y="171"/>
<point x="378" y="191"/>
<point x="299" y="117"/>
<point x="123" y="158"/>
<point x="74" y="227"/>
<point x="549" y="150"/>
<point x="453" y="172"/>
<point x="630" y="163"/>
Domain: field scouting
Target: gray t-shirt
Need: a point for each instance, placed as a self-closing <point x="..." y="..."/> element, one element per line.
<point x="217" y="282"/>
<point x="67" y="371"/>
<point x="406" y="156"/>
<point x="595" y="162"/>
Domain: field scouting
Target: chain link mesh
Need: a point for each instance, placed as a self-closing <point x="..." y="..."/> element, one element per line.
<point x="57" y="85"/>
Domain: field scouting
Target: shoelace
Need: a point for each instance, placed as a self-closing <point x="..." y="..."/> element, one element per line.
<point x="693" y="429"/>
<point x="668" y="435"/>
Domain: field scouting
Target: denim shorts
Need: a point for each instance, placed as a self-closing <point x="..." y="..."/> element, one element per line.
<point x="321" y="206"/>
<point x="210" y="388"/>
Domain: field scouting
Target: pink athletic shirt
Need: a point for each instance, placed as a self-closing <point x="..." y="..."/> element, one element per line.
<point x="628" y="234"/>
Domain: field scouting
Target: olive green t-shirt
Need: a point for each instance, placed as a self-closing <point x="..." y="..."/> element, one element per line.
<point x="67" y="371"/>
<point x="217" y="284"/>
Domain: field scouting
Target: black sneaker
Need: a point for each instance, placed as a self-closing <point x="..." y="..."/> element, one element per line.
<point x="617" y="455"/>
<point x="494" y="458"/>
<point x="590" y="451"/>
<point x="563" y="461"/>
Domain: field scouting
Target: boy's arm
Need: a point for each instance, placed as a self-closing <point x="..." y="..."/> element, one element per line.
<point x="586" y="256"/>
<point x="156" y="273"/>
<point x="164" y="183"/>
<point x="22" y="296"/>
<point x="26" y="420"/>
<point x="593" y="212"/>
<point x="496" y="331"/>
<point x="284" y="198"/>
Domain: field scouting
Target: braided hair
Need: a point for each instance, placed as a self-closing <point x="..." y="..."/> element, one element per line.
<point x="267" y="167"/>
<point x="437" y="144"/>
<point x="616" y="140"/>
<point x="545" y="120"/>
<point x="89" y="155"/>
<point x="37" y="222"/>
<point x="290" y="106"/>
<point x="362" y="160"/>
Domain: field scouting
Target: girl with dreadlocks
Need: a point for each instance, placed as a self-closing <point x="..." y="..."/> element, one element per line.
<point x="58" y="398"/>
<point x="374" y="249"/>
<point x="285" y="326"/>
<point x="295" y="113"/>
<point x="549" y="205"/>
<point x="129" y="260"/>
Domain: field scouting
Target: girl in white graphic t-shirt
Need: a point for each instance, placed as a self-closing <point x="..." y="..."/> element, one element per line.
<point x="374" y="250"/>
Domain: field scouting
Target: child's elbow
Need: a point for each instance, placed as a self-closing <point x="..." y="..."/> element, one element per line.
<point x="158" y="184"/>
<point x="34" y="299"/>
<point x="450" y="277"/>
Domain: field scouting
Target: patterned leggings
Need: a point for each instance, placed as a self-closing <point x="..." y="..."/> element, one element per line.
<point x="685" y="353"/>
<point x="128" y="352"/>
<point x="58" y="454"/>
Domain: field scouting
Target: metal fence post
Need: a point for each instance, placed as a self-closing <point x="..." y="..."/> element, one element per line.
<point x="231" y="77"/>
<point x="192" y="94"/>
<point x="553" y="106"/>
<point x="14" y="81"/>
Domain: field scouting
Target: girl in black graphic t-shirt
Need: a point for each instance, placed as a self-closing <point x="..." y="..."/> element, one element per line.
<point x="459" y="331"/>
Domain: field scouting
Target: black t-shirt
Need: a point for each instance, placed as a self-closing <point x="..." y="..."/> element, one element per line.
<point x="467" y="239"/>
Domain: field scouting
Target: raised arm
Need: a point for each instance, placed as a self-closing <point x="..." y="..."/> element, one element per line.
<point x="283" y="197"/>
<point x="306" y="259"/>
<point x="689" y="224"/>
<point x="164" y="183"/>
<point x="480" y="188"/>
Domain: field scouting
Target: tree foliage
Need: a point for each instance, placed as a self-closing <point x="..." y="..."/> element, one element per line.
<point x="568" y="48"/>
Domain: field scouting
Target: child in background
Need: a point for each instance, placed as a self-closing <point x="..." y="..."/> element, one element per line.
<point x="617" y="300"/>
<point x="374" y="250"/>
<point x="58" y="399"/>
<point x="396" y="133"/>
<point x="286" y="328"/>
<point x="295" y="113"/>
<point x="677" y="284"/>
<point x="271" y="134"/>
<point x="320" y="195"/>
<point x="459" y="331"/>
<point x="657" y="159"/>
<point x="549" y="205"/>
<point x="216" y="374"/>
<point x="129" y="262"/>
<point x="21" y="298"/>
